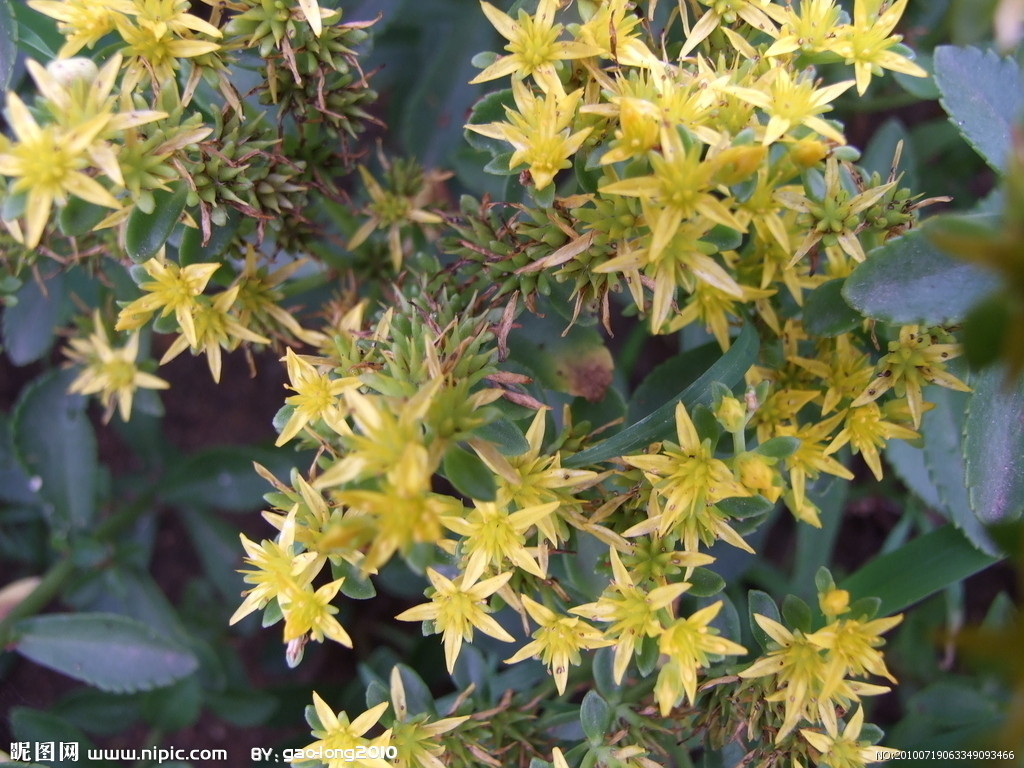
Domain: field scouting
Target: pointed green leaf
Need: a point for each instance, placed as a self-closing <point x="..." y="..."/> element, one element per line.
<point x="908" y="280"/>
<point x="918" y="569"/>
<point x="110" y="652"/>
<point x="994" y="446"/>
<point x="29" y="326"/>
<point x="659" y="425"/>
<point x="8" y="43"/>
<point x="983" y="95"/>
<point x="55" y="443"/>
<point x="470" y="476"/>
<point x="761" y="604"/>
<point x="596" y="717"/>
<point x="826" y="312"/>
<point x="146" y="233"/>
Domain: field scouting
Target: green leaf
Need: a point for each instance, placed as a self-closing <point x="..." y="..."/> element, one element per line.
<point x="779" y="447"/>
<point x="664" y="382"/>
<point x="38" y="728"/>
<point x="417" y="694"/>
<point x="942" y="431"/>
<point x="994" y="446"/>
<point x="918" y="569"/>
<point x="55" y="443"/>
<point x="490" y="109"/>
<point x="983" y="96"/>
<point x="192" y="250"/>
<point x="78" y="217"/>
<point x="908" y="280"/>
<point x="216" y="543"/>
<point x="761" y="603"/>
<point x="37" y="33"/>
<point x="743" y="507"/>
<point x="246" y="709"/>
<point x="508" y="438"/>
<point x="470" y="476"/>
<point x="8" y="43"/>
<point x="596" y="717"/>
<point x="97" y="711"/>
<point x="826" y="312"/>
<point x="705" y="583"/>
<point x="223" y="477"/>
<point x="796" y="613"/>
<point x="29" y="325"/>
<point x="111" y="652"/>
<point x="355" y="585"/>
<point x="174" y="707"/>
<point x="577" y="363"/>
<point x="729" y="369"/>
<point x="146" y="233"/>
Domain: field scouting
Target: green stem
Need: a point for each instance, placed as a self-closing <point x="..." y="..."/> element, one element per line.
<point x="51" y="583"/>
<point x="55" y="578"/>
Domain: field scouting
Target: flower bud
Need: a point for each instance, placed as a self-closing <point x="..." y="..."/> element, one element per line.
<point x="731" y="414"/>
<point x="834" y="602"/>
<point x="67" y="72"/>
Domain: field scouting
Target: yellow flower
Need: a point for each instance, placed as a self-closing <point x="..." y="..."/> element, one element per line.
<point x="558" y="641"/>
<point x="110" y="372"/>
<point x="336" y="736"/>
<point x="540" y="479"/>
<point x="690" y="480"/>
<point x="172" y="289"/>
<point x="727" y="11"/>
<point x="688" y="644"/>
<point x="852" y="649"/>
<point x="846" y="751"/>
<point x="316" y="394"/>
<point x="790" y="103"/>
<point x="157" y="35"/>
<point x="912" y="361"/>
<point x="634" y="612"/>
<point x="456" y="608"/>
<point x="390" y="210"/>
<point x="539" y="131"/>
<point x="494" y="537"/>
<point x="310" y="612"/>
<point x="866" y="430"/>
<point x="414" y="736"/>
<point x="679" y="189"/>
<point x="215" y="328"/>
<point x="278" y="570"/>
<point x="533" y="45"/>
<point x="811" y="30"/>
<point x="49" y="163"/>
<point x="611" y="31"/>
<point x="83" y="22"/>
<point x="866" y="42"/>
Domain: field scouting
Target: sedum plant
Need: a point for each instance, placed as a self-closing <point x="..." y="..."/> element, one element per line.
<point x="653" y="169"/>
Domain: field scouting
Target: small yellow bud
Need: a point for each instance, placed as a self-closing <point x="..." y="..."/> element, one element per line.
<point x="834" y="602"/>
<point x="807" y="153"/>
<point x="756" y="474"/>
<point x="731" y="414"/>
<point x="736" y="164"/>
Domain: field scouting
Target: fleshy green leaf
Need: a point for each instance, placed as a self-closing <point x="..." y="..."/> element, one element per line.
<point x="79" y="216"/>
<point x="596" y="717"/>
<point x="223" y="477"/>
<point x="761" y="603"/>
<point x="146" y="233"/>
<point x="505" y="435"/>
<point x="918" y="569"/>
<point x="55" y="443"/>
<point x="826" y="312"/>
<point x="660" y="424"/>
<point x="705" y="583"/>
<point x="8" y="43"/>
<point x="29" y="325"/>
<point x="111" y="652"/>
<point x="909" y="280"/>
<point x="983" y="96"/>
<point x="470" y="476"/>
<point x="993" y="447"/>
